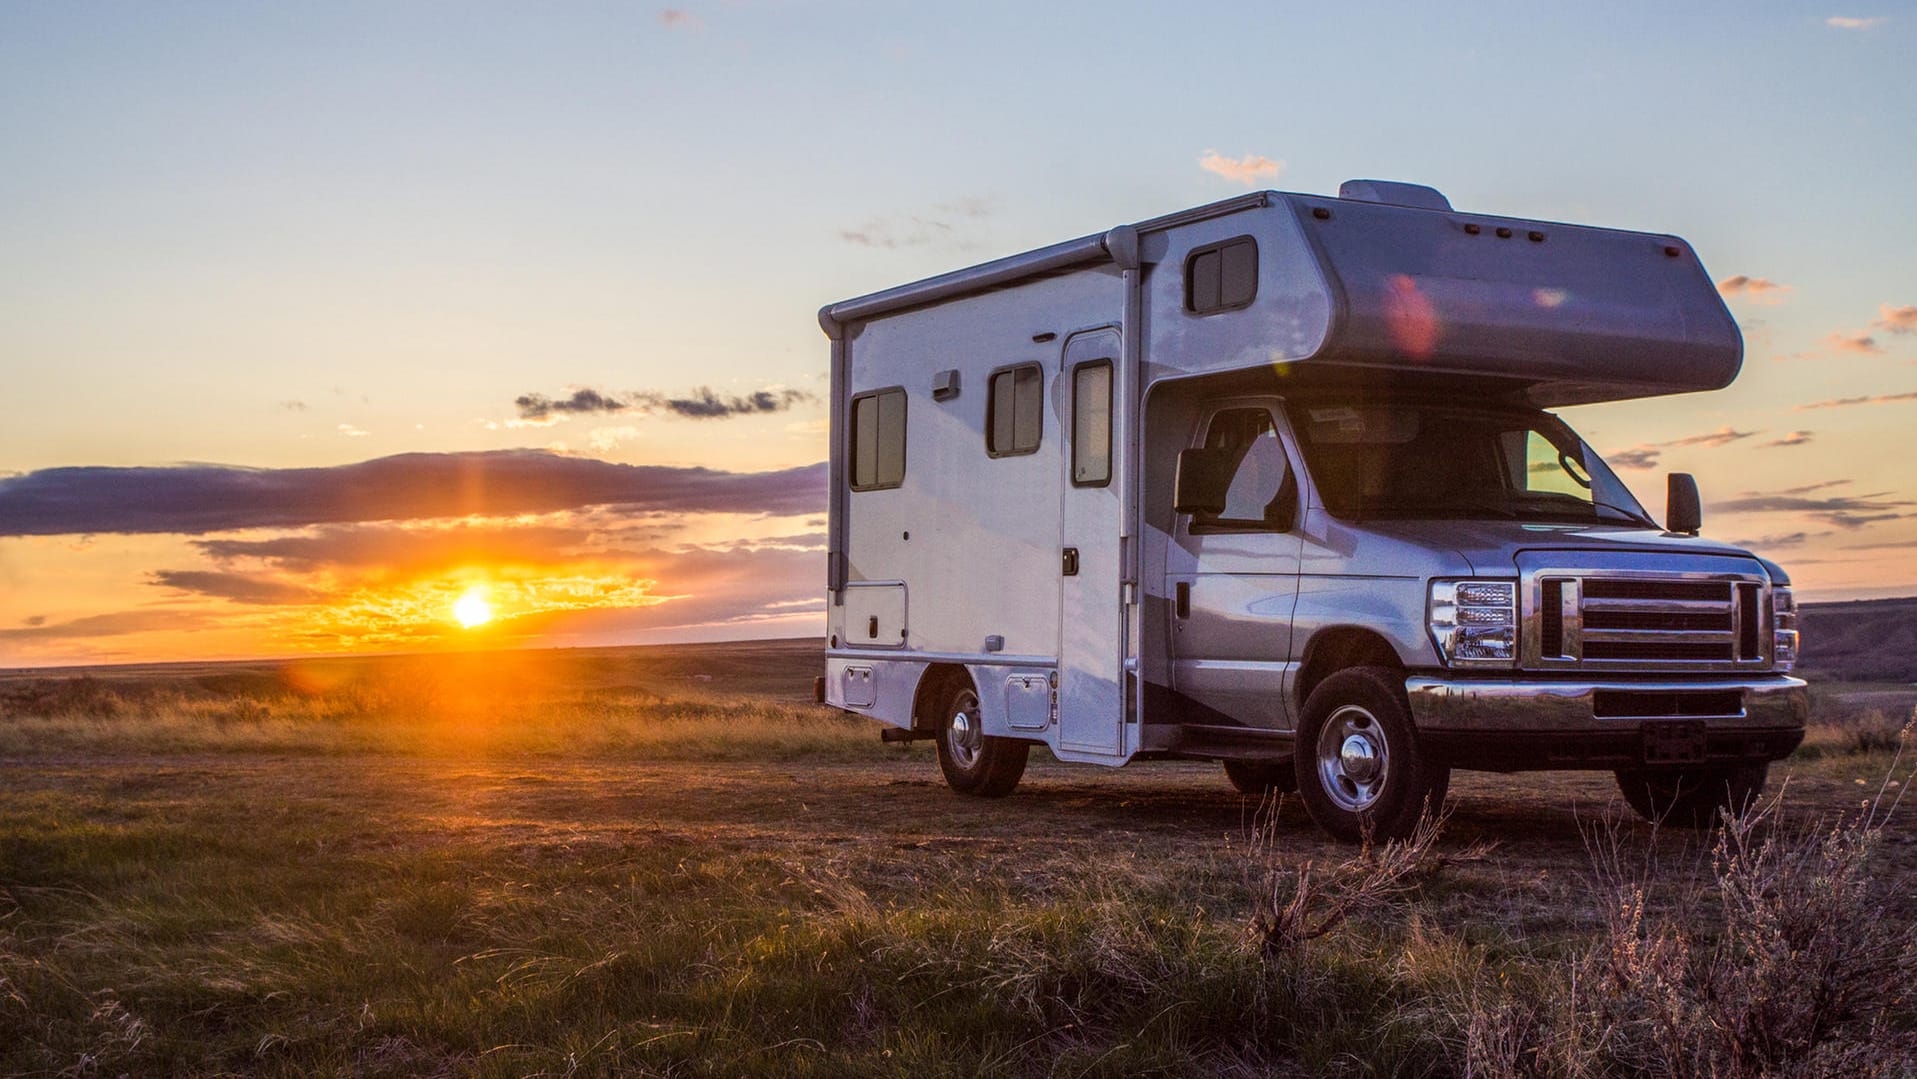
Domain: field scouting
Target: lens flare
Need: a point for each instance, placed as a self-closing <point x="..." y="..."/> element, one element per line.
<point x="472" y="609"/>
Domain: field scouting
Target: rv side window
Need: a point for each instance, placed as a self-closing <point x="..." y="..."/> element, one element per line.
<point x="1092" y="424"/>
<point x="1012" y="411"/>
<point x="1221" y="276"/>
<point x="877" y="452"/>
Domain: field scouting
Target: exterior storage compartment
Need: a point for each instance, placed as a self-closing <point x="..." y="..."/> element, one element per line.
<point x="875" y="614"/>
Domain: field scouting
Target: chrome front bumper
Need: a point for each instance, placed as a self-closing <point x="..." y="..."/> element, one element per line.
<point x="1536" y="705"/>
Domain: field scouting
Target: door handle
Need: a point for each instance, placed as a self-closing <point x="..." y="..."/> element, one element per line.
<point x="1182" y="605"/>
<point x="1071" y="562"/>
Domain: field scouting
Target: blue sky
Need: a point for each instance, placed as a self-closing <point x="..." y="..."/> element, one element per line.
<point x="308" y="235"/>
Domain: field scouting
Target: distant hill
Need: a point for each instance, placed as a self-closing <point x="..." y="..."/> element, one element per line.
<point x="1863" y="641"/>
<point x="777" y="668"/>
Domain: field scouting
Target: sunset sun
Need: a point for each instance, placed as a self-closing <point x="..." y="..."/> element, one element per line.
<point x="472" y="609"/>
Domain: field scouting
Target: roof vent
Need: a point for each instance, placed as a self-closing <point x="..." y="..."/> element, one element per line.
<point x="1416" y="196"/>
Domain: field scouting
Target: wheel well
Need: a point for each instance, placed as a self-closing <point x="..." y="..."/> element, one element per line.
<point x="1332" y="650"/>
<point x="934" y="684"/>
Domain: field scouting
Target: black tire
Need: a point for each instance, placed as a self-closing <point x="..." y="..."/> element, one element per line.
<point x="1691" y="797"/>
<point x="1260" y="778"/>
<point x="974" y="762"/>
<point x="1357" y="763"/>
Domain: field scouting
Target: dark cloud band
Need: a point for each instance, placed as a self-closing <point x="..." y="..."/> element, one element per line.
<point x="537" y="406"/>
<point x="700" y="404"/>
<point x="197" y="499"/>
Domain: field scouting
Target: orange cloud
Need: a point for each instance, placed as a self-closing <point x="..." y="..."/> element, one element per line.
<point x="1894" y="319"/>
<point x="1876" y="399"/>
<point x="563" y="579"/>
<point x="1860" y="343"/>
<point x="1247" y="170"/>
<point x="1638" y="457"/>
<point x="1645" y="455"/>
<point x="1760" y="290"/>
<point x="1852" y="22"/>
<point x="1721" y="437"/>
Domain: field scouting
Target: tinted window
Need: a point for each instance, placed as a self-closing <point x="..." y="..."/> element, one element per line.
<point x="1221" y="277"/>
<point x="1259" y="495"/>
<point x="1012" y="421"/>
<point x="1092" y="424"/>
<point x="877" y="452"/>
<point x="1410" y="460"/>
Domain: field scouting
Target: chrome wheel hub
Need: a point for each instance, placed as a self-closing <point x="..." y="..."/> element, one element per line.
<point x="1354" y="761"/>
<point x="963" y="738"/>
<point x="1359" y="758"/>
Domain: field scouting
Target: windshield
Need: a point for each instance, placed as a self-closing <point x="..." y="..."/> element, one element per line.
<point x="1412" y="460"/>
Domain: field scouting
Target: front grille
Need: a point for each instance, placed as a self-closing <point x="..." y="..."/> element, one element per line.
<point x="1654" y="650"/>
<point x="1654" y="590"/>
<point x="1551" y="617"/>
<point x="1629" y="621"/>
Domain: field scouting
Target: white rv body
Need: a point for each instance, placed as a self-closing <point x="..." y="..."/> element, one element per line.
<point x="1070" y="593"/>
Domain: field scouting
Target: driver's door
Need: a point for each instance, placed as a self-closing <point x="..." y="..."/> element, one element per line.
<point x="1234" y="577"/>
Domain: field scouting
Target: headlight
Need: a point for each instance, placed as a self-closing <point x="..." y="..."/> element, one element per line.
<point x="1475" y="623"/>
<point x="1784" y="628"/>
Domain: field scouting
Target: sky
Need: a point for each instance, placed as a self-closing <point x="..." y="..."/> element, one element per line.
<point x="317" y="318"/>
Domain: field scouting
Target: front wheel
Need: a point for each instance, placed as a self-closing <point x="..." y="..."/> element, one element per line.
<point x="974" y="762"/>
<point x="1691" y="797"/>
<point x="1359" y="768"/>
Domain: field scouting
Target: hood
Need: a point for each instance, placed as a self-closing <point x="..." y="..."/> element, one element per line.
<point x="1491" y="546"/>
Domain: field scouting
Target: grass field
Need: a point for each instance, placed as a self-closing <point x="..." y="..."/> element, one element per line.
<point x="667" y="861"/>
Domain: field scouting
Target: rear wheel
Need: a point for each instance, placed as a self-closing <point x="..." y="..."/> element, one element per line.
<point x="973" y="761"/>
<point x="1261" y="777"/>
<point x="1358" y="765"/>
<point x="1690" y="797"/>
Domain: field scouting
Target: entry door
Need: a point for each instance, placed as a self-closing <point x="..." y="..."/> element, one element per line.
<point x="1091" y="646"/>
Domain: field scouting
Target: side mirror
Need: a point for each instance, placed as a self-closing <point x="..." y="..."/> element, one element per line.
<point x="1682" y="510"/>
<point x="1204" y="475"/>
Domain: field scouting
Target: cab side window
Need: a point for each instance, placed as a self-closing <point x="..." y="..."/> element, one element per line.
<point x="1547" y="468"/>
<point x="1263" y="495"/>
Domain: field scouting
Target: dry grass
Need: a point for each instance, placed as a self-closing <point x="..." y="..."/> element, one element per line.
<point x="535" y="867"/>
<point x="497" y="704"/>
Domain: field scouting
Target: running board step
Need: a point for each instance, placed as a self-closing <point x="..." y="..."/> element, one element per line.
<point x="1211" y="741"/>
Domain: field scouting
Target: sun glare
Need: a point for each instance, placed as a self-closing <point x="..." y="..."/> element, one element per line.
<point x="472" y="609"/>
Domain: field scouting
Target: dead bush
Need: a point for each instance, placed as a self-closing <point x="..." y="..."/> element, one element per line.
<point x="1795" y="979"/>
<point x="1292" y="907"/>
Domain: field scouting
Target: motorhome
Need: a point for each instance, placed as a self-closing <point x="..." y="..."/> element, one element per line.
<point x="1276" y="482"/>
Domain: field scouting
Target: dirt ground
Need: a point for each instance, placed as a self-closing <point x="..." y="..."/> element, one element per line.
<point x="895" y="816"/>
